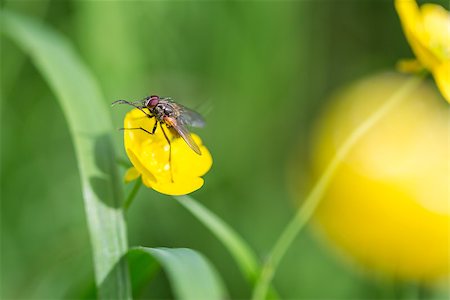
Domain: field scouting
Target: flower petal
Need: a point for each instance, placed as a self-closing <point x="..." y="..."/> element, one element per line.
<point x="176" y="188"/>
<point x="409" y="13"/>
<point x="416" y="33"/>
<point x="139" y="166"/>
<point x="442" y="77"/>
<point x="436" y="22"/>
<point x="186" y="161"/>
<point x="131" y="174"/>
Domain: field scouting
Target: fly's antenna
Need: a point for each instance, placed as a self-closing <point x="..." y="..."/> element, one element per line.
<point x="126" y="102"/>
<point x="134" y="104"/>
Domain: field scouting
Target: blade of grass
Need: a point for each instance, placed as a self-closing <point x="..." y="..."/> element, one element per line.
<point x="90" y="127"/>
<point x="190" y="273"/>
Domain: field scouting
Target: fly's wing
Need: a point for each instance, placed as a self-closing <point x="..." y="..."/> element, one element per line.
<point x="190" y="117"/>
<point x="186" y="116"/>
<point x="184" y="133"/>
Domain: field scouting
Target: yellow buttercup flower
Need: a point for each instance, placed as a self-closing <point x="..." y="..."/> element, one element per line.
<point x="387" y="206"/>
<point x="149" y="155"/>
<point x="427" y="30"/>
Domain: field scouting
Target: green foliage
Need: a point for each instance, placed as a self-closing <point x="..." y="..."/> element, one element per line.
<point x="264" y="67"/>
<point x="191" y="275"/>
<point x="76" y="89"/>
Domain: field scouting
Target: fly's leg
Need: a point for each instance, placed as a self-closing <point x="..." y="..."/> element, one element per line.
<point x="138" y="128"/>
<point x="155" y="126"/>
<point x="132" y="104"/>
<point x="170" y="151"/>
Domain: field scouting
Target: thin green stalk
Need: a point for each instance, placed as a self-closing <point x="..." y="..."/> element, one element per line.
<point x="311" y="202"/>
<point x="132" y="195"/>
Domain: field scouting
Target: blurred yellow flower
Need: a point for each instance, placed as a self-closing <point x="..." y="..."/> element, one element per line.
<point x="149" y="155"/>
<point x="428" y="32"/>
<point x="387" y="205"/>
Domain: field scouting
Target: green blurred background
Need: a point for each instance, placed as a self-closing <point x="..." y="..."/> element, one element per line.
<point x="260" y="72"/>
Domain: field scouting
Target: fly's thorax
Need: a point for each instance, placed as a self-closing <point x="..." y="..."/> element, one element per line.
<point x="164" y="109"/>
<point x="159" y="111"/>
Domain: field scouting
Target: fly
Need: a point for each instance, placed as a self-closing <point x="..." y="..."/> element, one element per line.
<point x="173" y="115"/>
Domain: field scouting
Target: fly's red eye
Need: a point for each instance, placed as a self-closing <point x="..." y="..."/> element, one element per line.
<point x="152" y="101"/>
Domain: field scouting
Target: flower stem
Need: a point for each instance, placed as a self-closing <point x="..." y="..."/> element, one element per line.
<point x="132" y="195"/>
<point x="311" y="202"/>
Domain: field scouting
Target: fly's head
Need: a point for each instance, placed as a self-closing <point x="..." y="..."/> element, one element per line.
<point x="151" y="101"/>
<point x="159" y="107"/>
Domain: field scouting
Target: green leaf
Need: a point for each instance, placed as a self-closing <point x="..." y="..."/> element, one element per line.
<point x="190" y="274"/>
<point x="90" y="127"/>
<point x="143" y="268"/>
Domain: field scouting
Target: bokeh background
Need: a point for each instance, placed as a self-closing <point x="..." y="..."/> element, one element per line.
<point x="260" y="72"/>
